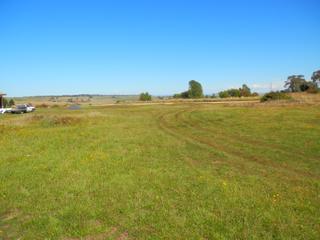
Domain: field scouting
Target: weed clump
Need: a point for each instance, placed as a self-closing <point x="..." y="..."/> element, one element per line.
<point x="65" y="120"/>
<point x="42" y="105"/>
<point x="52" y="121"/>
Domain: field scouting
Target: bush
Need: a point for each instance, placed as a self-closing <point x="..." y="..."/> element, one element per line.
<point x="145" y="97"/>
<point x="311" y="87"/>
<point x="224" y="94"/>
<point x="233" y="92"/>
<point x="42" y="105"/>
<point x="11" y="102"/>
<point x="177" y="95"/>
<point x="244" y="91"/>
<point x="274" y="96"/>
<point x="312" y="90"/>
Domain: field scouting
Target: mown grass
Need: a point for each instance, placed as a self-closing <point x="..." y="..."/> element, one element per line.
<point x="161" y="172"/>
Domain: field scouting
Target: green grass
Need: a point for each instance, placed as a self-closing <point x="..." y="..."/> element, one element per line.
<point x="161" y="172"/>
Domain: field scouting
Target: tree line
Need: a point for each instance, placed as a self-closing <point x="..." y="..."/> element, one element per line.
<point x="294" y="83"/>
<point x="195" y="91"/>
<point x="298" y="83"/>
<point x="244" y="91"/>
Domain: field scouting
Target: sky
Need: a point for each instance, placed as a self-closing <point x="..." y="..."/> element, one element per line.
<point x="126" y="47"/>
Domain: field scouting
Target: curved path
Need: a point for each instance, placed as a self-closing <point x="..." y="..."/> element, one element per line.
<point x="182" y="125"/>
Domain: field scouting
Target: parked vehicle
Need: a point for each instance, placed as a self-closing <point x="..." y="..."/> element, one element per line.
<point x="23" y="108"/>
<point x="30" y="108"/>
<point x="5" y="110"/>
<point x="20" y="109"/>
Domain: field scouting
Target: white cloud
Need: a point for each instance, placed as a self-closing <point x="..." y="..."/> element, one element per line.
<point x="267" y="86"/>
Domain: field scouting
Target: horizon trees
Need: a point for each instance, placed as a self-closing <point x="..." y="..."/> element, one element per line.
<point x="295" y="82"/>
<point x="298" y="83"/>
<point x="244" y="91"/>
<point x="145" y="97"/>
<point x="8" y="103"/>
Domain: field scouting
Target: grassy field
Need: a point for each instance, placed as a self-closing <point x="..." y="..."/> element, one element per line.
<point x="184" y="171"/>
<point x="96" y="100"/>
<point x="83" y="100"/>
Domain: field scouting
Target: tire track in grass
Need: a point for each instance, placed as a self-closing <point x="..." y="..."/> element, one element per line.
<point x="228" y="151"/>
<point x="163" y="124"/>
<point x="262" y="160"/>
<point x="253" y="142"/>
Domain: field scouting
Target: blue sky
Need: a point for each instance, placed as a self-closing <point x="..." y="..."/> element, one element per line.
<point x="126" y="47"/>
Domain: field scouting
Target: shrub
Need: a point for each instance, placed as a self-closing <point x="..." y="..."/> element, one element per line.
<point x="233" y="92"/>
<point x="224" y="94"/>
<point x="313" y="90"/>
<point x="185" y="94"/>
<point x="274" y="96"/>
<point x="244" y="91"/>
<point x="42" y="105"/>
<point x="177" y="95"/>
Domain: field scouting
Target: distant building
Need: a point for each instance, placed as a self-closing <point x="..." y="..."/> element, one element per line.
<point x="1" y="99"/>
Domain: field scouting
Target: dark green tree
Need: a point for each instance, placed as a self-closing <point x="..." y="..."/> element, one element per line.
<point x="177" y="95"/>
<point x="185" y="94"/>
<point x="11" y="103"/>
<point x="195" y="89"/>
<point x="223" y="94"/>
<point x="233" y="92"/>
<point x="5" y="102"/>
<point x="145" y="97"/>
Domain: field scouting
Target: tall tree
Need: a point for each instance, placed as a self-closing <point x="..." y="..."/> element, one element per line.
<point x="245" y="91"/>
<point x="195" y="89"/>
<point x="11" y="103"/>
<point x="295" y="83"/>
<point x="5" y="102"/>
<point x="316" y="77"/>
